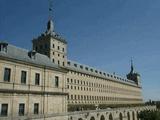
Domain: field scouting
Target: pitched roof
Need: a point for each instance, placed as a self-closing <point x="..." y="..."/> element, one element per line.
<point x="20" y="54"/>
<point x="75" y="66"/>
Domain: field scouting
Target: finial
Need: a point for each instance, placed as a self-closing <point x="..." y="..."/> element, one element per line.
<point x="50" y="24"/>
<point x="132" y="65"/>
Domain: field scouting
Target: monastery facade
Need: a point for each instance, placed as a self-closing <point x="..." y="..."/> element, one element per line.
<point x="44" y="81"/>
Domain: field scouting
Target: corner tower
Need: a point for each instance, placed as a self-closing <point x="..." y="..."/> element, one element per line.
<point x="52" y="45"/>
<point x="134" y="76"/>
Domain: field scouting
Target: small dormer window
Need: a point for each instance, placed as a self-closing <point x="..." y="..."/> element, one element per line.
<point x="81" y="66"/>
<point x="86" y="68"/>
<point x="68" y="63"/>
<point x="75" y="65"/>
<point x="3" y="47"/>
<point x="32" y="54"/>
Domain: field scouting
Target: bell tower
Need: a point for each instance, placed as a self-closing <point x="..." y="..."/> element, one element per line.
<point x="51" y="44"/>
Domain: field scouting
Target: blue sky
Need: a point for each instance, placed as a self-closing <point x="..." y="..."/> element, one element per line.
<point x="101" y="33"/>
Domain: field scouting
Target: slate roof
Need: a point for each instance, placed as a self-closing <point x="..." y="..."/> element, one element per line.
<point x="71" y="65"/>
<point x="23" y="55"/>
<point x="20" y="54"/>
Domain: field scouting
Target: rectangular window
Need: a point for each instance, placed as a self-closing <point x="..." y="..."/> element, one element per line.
<point x="37" y="78"/>
<point x="23" y="77"/>
<point x="4" y="109"/>
<point x="36" y="48"/>
<point x="7" y="74"/>
<point x="21" y="109"/>
<point x="36" y="108"/>
<point x="56" y="81"/>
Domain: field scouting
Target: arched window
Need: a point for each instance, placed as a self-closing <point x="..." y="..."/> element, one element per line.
<point x="92" y="118"/>
<point x="110" y="117"/>
<point x="133" y="115"/>
<point x="102" y="117"/>
<point x="120" y="116"/>
<point x="137" y="115"/>
<point x="80" y="119"/>
<point x="128" y="116"/>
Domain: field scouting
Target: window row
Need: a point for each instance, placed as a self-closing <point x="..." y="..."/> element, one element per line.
<point x="58" y="47"/>
<point x="103" y="74"/>
<point x="59" y="55"/>
<point x="90" y="84"/>
<point x="46" y="46"/>
<point x="92" y="76"/>
<point x="102" y="98"/>
<point x="82" y="88"/>
<point x="7" y="77"/>
<point x="58" y="62"/>
<point x="21" y="109"/>
<point x="97" y="85"/>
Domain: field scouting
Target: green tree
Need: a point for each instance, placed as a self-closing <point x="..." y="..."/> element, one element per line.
<point x="149" y="115"/>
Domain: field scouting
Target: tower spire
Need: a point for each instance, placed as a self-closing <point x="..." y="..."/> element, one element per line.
<point x="132" y="68"/>
<point x="50" y="24"/>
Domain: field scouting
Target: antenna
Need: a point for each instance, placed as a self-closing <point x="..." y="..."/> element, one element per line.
<point x="50" y="24"/>
<point x="50" y="9"/>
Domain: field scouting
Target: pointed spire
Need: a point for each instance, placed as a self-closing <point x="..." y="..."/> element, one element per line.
<point x="50" y="27"/>
<point x="132" y="68"/>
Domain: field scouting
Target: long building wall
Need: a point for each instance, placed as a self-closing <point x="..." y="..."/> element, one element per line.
<point x="88" y="89"/>
<point x="87" y="85"/>
<point x="43" y="77"/>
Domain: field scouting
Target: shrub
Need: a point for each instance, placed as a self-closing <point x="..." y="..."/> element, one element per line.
<point x="149" y="115"/>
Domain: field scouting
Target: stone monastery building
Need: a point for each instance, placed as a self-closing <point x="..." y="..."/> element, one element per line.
<point x="44" y="81"/>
